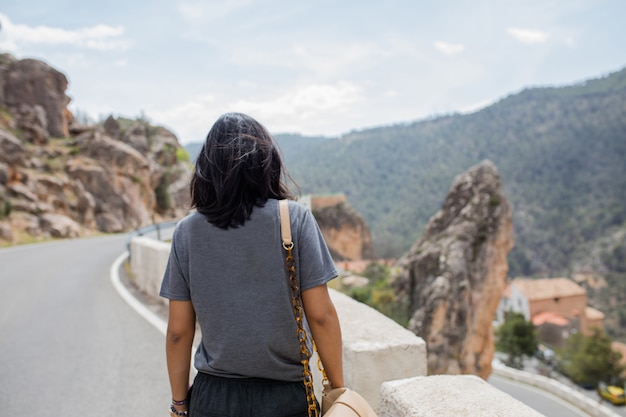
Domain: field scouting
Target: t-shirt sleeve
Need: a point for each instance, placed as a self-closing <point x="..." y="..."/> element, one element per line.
<point x="175" y="285"/>
<point x="316" y="265"/>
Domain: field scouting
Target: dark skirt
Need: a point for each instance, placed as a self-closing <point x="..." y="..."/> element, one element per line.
<point x="213" y="396"/>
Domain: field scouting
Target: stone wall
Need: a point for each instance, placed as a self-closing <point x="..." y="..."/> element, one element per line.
<point x="447" y="395"/>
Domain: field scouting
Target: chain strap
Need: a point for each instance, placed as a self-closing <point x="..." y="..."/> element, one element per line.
<point x="298" y="313"/>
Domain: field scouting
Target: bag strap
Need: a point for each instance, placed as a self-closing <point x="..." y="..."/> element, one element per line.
<point x="298" y="311"/>
<point x="285" y="223"/>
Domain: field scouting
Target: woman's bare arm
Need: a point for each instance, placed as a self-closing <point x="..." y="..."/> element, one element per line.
<point x="324" y="323"/>
<point x="181" y="327"/>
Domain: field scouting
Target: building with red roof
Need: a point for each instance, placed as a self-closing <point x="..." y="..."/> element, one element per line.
<point x="557" y="307"/>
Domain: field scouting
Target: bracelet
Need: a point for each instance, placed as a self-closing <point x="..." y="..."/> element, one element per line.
<point x="175" y="412"/>
<point x="183" y="402"/>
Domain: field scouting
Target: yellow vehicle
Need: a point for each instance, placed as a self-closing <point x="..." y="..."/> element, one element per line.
<point x="612" y="393"/>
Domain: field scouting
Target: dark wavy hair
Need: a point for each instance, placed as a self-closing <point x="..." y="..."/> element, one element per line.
<point x="239" y="167"/>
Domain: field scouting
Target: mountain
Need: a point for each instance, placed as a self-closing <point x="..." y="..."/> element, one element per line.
<point x="291" y="145"/>
<point x="561" y="152"/>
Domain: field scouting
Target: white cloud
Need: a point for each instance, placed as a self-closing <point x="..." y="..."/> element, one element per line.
<point x="528" y="36"/>
<point x="570" y="42"/>
<point x="99" y="37"/>
<point x="192" y="119"/>
<point x="447" y="48"/>
<point x="78" y="61"/>
<point x="7" y="45"/>
<point x="307" y="108"/>
<point x="305" y="102"/>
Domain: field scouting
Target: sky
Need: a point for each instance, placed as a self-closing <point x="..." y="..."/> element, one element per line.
<point x="310" y="67"/>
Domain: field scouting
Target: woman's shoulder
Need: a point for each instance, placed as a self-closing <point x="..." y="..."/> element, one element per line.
<point x="297" y="209"/>
<point x="301" y="215"/>
<point x="191" y="221"/>
<point x="192" y="217"/>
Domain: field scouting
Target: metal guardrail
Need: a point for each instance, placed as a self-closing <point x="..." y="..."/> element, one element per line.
<point x="159" y="231"/>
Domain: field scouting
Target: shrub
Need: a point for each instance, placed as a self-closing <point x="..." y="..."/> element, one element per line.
<point x="162" y="195"/>
<point x="182" y="155"/>
<point x="517" y="338"/>
<point x="379" y="294"/>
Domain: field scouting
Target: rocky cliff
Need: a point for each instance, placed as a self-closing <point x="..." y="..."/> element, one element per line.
<point x="453" y="277"/>
<point x="61" y="179"/>
<point x="346" y="233"/>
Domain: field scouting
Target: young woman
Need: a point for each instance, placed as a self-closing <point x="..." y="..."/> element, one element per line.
<point x="227" y="270"/>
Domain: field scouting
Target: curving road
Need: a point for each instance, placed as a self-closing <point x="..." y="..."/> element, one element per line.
<point x="69" y="345"/>
<point x="543" y="402"/>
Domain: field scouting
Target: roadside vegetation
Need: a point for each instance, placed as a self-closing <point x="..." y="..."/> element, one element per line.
<point x="517" y="338"/>
<point x="378" y="293"/>
<point x="589" y="360"/>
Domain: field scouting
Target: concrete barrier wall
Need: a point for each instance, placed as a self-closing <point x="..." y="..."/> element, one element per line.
<point x="375" y="348"/>
<point x="447" y="395"/>
<point x="148" y="259"/>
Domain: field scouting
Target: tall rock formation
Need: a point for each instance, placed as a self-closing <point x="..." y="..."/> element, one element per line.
<point x="34" y="94"/>
<point x="58" y="179"/>
<point x="454" y="275"/>
<point x="346" y="233"/>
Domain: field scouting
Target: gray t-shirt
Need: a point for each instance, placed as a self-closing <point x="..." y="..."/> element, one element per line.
<point x="239" y="287"/>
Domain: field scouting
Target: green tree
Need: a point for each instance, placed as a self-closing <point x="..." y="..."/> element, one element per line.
<point x="590" y="359"/>
<point x="517" y="338"/>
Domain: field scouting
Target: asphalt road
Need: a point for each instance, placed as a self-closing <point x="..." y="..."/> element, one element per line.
<point x="543" y="402"/>
<point x="69" y="345"/>
<point x="619" y="410"/>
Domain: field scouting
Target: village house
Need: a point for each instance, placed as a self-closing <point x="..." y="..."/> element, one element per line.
<point x="557" y="307"/>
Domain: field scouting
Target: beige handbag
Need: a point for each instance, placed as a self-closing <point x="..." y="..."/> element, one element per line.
<point x="338" y="402"/>
<point x="343" y="402"/>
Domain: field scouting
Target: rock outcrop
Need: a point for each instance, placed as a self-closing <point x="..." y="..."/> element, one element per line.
<point x="346" y="233"/>
<point x="453" y="277"/>
<point x="58" y="179"/>
<point x="34" y="93"/>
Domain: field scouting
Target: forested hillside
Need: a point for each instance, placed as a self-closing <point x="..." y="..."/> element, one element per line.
<point x="562" y="156"/>
<point x="561" y="153"/>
